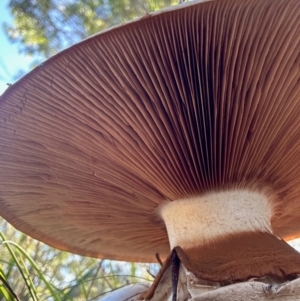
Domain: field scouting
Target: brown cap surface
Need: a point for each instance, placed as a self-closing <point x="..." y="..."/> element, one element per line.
<point x="200" y="98"/>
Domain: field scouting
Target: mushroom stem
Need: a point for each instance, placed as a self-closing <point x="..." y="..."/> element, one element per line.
<point x="202" y="219"/>
<point x="227" y="237"/>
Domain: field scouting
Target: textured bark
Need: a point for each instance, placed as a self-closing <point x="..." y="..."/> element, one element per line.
<point x="190" y="288"/>
<point x="253" y="291"/>
<point x="245" y="291"/>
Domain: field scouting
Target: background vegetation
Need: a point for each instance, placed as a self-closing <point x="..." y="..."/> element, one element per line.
<point x="45" y="27"/>
<point x="34" y="271"/>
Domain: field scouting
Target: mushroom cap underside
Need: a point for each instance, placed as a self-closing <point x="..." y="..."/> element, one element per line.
<point x="200" y="98"/>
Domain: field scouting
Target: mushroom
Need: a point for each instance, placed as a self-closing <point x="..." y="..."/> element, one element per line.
<point x="175" y="134"/>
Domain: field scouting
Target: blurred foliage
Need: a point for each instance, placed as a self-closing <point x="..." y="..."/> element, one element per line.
<point x="44" y="273"/>
<point x="44" y="27"/>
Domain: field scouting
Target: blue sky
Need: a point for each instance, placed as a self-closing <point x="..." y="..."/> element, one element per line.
<point x="11" y="61"/>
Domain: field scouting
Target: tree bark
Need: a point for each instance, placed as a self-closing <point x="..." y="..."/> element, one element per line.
<point x="253" y="291"/>
<point x="192" y="289"/>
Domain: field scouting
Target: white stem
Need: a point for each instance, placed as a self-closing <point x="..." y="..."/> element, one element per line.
<point x="196" y="220"/>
